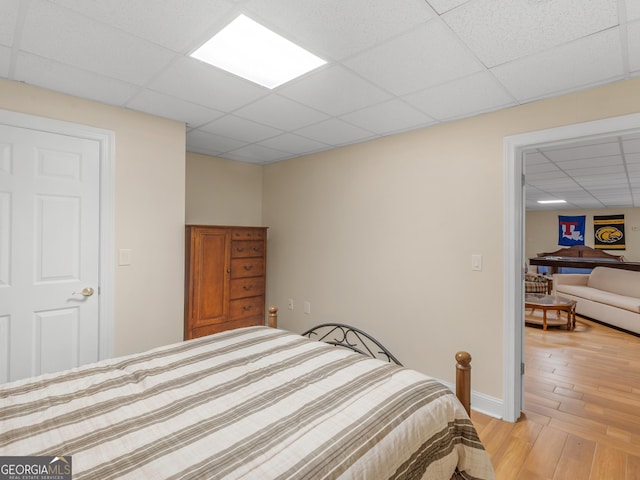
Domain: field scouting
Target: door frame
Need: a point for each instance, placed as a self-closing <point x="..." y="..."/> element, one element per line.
<point x="514" y="221"/>
<point x="106" y="141"/>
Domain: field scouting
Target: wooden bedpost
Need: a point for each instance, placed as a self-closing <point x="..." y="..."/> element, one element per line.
<point x="273" y="317"/>
<point x="463" y="380"/>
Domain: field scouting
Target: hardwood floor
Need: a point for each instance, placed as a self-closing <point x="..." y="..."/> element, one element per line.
<point x="581" y="419"/>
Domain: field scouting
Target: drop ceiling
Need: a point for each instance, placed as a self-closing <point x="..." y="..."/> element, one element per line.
<point x="393" y="66"/>
<point x="596" y="173"/>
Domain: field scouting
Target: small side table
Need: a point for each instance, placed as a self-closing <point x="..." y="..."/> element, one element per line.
<point x="536" y="301"/>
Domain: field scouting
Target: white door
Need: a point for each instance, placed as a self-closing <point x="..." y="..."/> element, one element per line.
<point x="49" y="252"/>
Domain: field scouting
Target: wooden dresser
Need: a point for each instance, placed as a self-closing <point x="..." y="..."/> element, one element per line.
<point x="224" y="278"/>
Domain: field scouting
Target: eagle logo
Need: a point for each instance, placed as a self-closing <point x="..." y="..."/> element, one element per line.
<point x="608" y="234"/>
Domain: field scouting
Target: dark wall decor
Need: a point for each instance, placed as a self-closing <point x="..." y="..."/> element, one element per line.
<point x="608" y="232"/>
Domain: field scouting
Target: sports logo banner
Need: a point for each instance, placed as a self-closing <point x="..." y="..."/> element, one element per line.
<point x="571" y="230"/>
<point x="608" y="231"/>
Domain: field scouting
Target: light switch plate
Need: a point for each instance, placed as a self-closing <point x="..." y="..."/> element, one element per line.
<point x="124" y="257"/>
<point x="476" y="262"/>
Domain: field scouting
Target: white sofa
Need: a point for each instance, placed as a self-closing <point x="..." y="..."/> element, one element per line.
<point x="609" y="295"/>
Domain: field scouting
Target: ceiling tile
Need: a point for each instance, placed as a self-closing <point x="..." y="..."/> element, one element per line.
<point x="73" y="81"/>
<point x="431" y="55"/>
<point x="335" y="91"/>
<point x="72" y="39"/>
<point x="572" y="166"/>
<point x="625" y="201"/>
<point x="294" y="144"/>
<point x="632" y="158"/>
<point x="191" y="114"/>
<point x="597" y="151"/>
<point x="585" y="62"/>
<point x="388" y="117"/>
<point x="334" y="132"/>
<point x="463" y="97"/>
<point x="196" y="82"/>
<point x="337" y="28"/>
<point x="598" y="171"/>
<point x="254" y="154"/>
<point x="603" y="182"/>
<point x="240" y="129"/>
<point x="8" y="18"/>
<point x="569" y="189"/>
<point x="204" y="142"/>
<point x="633" y="9"/>
<point x="532" y="169"/>
<point x="581" y="143"/>
<point x="280" y="112"/>
<point x="442" y="6"/>
<point x="499" y="31"/>
<point x="5" y="60"/>
<point x="174" y="25"/>
<point x="533" y="157"/>
<point x="551" y="182"/>
<point x="633" y="31"/>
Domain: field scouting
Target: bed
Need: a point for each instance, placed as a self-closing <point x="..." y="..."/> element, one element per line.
<point x="579" y="259"/>
<point x="251" y="403"/>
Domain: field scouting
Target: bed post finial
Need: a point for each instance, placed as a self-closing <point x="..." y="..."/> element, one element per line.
<point x="273" y="317"/>
<point x="463" y="380"/>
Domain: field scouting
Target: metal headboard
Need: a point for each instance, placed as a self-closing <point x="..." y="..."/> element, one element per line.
<point x="352" y="338"/>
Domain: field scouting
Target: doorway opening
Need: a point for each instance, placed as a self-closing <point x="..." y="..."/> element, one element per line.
<point x="515" y="148"/>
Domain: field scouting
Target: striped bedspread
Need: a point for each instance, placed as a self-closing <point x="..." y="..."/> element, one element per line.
<point x="251" y="403"/>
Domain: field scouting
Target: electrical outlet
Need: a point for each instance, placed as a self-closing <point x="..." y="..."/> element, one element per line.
<point x="307" y="307"/>
<point x="290" y="304"/>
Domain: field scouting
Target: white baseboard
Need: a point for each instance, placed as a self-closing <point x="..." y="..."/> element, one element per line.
<point x="482" y="403"/>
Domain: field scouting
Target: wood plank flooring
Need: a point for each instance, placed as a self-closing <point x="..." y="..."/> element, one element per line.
<point x="581" y="419"/>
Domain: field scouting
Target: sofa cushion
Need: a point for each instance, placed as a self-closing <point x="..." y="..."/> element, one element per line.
<point x="615" y="280"/>
<point x="595" y="295"/>
<point x="575" y="290"/>
<point x="620" y="301"/>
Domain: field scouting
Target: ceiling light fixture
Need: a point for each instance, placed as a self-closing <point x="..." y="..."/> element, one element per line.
<point x="552" y="201"/>
<point x="251" y="51"/>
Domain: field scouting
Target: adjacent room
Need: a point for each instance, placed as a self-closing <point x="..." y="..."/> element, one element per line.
<point x="389" y="182"/>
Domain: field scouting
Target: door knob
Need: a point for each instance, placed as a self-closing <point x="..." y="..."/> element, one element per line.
<point x="86" y="292"/>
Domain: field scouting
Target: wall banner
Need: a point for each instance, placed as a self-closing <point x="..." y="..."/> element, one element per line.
<point x="571" y="230"/>
<point x="608" y="232"/>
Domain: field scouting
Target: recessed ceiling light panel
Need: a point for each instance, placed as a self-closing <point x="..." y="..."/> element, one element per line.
<point x="251" y="51"/>
<point x="552" y="201"/>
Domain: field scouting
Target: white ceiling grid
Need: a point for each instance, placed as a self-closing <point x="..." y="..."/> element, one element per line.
<point x="393" y="66"/>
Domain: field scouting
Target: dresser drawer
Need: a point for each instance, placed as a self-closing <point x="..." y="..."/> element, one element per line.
<point x="246" y="287"/>
<point x="222" y="326"/>
<point x="247" y="248"/>
<point x="247" y="267"/>
<point x="248" y="234"/>
<point x="246" y="307"/>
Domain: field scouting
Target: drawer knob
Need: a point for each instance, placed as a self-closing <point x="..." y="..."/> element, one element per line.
<point x="248" y="267"/>
<point x="248" y="287"/>
<point x="246" y="308"/>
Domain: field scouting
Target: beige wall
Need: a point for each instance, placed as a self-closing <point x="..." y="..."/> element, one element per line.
<point x="149" y="210"/>
<point x="222" y="192"/>
<point x="381" y="234"/>
<point x="542" y="231"/>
